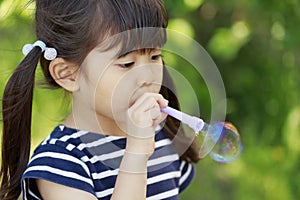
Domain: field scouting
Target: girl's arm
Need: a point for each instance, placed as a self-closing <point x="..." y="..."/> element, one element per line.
<point x="132" y="177"/>
<point x="54" y="191"/>
<point x="143" y="117"/>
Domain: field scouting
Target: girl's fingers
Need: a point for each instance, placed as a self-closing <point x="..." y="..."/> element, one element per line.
<point x="145" y="112"/>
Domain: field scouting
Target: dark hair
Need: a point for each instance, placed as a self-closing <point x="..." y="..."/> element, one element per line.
<point x="73" y="28"/>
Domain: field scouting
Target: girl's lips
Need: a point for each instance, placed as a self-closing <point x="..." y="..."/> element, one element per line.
<point x="138" y="92"/>
<point x="135" y="96"/>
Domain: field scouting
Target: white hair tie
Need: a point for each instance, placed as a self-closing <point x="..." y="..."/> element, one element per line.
<point x="50" y="53"/>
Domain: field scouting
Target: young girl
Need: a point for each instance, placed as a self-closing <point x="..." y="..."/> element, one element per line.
<point x="116" y="143"/>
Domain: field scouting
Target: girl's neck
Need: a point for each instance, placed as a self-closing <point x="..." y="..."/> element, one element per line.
<point x="101" y="125"/>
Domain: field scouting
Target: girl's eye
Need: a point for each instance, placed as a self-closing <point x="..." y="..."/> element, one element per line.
<point x="126" y="65"/>
<point x="156" y="57"/>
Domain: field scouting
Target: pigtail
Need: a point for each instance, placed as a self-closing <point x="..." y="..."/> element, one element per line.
<point x="16" y="113"/>
<point x="185" y="144"/>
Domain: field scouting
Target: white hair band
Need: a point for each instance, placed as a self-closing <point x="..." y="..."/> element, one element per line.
<point x="50" y="53"/>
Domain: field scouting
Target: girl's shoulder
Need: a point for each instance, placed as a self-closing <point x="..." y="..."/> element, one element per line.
<point x="70" y="137"/>
<point x="64" y="134"/>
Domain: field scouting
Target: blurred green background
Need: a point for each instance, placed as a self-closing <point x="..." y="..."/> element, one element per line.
<point x="256" y="46"/>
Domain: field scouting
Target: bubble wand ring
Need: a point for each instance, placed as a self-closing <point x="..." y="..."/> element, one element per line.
<point x="221" y="139"/>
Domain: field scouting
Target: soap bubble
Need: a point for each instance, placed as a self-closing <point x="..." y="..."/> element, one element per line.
<point x="221" y="141"/>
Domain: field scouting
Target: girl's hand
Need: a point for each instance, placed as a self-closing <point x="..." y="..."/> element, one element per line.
<point x="142" y="119"/>
<point x="145" y="112"/>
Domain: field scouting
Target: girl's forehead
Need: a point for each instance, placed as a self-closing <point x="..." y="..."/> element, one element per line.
<point x="141" y="41"/>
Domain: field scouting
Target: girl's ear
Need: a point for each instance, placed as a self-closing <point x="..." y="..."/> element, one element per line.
<point x="64" y="73"/>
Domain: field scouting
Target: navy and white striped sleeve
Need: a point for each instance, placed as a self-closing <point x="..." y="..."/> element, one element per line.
<point x="56" y="164"/>
<point x="187" y="174"/>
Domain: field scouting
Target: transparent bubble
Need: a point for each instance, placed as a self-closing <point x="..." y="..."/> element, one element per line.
<point x="221" y="141"/>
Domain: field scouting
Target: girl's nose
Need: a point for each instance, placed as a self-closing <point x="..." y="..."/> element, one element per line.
<point x="145" y="75"/>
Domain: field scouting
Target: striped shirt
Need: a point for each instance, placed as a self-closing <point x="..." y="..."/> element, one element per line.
<point x="90" y="162"/>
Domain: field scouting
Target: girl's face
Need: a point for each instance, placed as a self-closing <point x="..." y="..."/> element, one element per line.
<point x="109" y="85"/>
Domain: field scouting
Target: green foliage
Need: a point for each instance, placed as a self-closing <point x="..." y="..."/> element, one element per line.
<point x="256" y="46"/>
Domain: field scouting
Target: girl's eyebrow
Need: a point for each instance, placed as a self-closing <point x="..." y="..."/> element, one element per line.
<point x="142" y="51"/>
